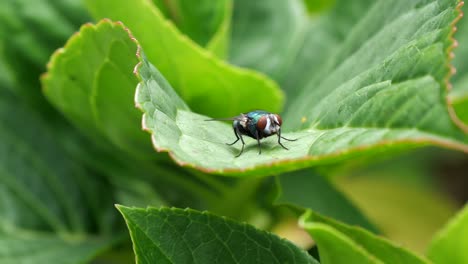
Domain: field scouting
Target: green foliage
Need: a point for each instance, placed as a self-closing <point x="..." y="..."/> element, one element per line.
<point x="49" y="202"/>
<point x="449" y="244"/>
<point x="356" y="243"/>
<point x="391" y="86"/>
<point x="362" y="79"/>
<point x="29" y="33"/>
<point x="187" y="236"/>
<point x="387" y="196"/>
<point x="205" y="82"/>
<point x="40" y="248"/>
<point x="205" y="22"/>
<point x="83" y="79"/>
<point x="322" y="197"/>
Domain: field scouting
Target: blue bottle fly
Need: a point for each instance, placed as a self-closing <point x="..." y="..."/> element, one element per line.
<point x="257" y="124"/>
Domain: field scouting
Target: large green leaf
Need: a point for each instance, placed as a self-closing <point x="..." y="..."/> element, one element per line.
<point x="334" y="237"/>
<point x="188" y="236"/>
<point x="51" y="210"/>
<point x="45" y="194"/>
<point x="206" y="22"/>
<point x="192" y="141"/>
<point x="207" y="84"/>
<point x="381" y="90"/>
<point x="449" y="245"/>
<point x="326" y="33"/>
<point x="29" y="33"/>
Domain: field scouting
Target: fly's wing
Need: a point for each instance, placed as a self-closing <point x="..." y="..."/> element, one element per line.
<point x="238" y="118"/>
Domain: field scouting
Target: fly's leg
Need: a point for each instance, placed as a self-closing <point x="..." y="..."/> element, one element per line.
<point x="258" y="141"/>
<point x="288" y="139"/>
<point x="237" y="136"/>
<point x="243" y="144"/>
<point x="280" y="137"/>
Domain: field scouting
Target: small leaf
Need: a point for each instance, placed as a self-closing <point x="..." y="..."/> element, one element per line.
<point x="336" y="248"/>
<point x="354" y="237"/>
<point x="188" y="236"/>
<point x="308" y="190"/>
<point x="207" y="84"/>
<point x="450" y="244"/>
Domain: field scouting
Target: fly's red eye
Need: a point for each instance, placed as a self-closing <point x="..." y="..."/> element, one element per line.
<point x="262" y="122"/>
<point x="280" y="121"/>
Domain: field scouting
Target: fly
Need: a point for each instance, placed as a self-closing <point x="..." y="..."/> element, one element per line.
<point x="257" y="124"/>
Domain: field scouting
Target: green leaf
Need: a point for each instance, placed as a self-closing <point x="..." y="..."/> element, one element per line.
<point x="47" y="193"/>
<point x="41" y="185"/>
<point x="29" y="33"/>
<point x="90" y="81"/>
<point x="207" y="84"/>
<point x="373" y="102"/>
<point x="40" y="248"/>
<point x="415" y="36"/>
<point x="306" y="190"/>
<point x="187" y="236"/>
<point x="284" y="43"/>
<point x="450" y="243"/>
<point x="268" y="44"/>
<point x="205" y="22"/>
<point x="192" y="141"/>
<point x="386" y="200"/>
<point x="336" y="248"/>
<point x="326" y="33"/>
<point x="355" y="241"/>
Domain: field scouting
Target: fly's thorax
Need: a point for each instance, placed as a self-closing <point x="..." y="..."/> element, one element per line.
<point x="241" y="121"/>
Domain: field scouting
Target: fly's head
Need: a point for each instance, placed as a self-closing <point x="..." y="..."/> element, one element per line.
<point x="269" y="124"/>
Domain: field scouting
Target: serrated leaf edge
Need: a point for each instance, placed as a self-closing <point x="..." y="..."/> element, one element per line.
<point x="122" y="208"/>
<point x="452" y="70"/>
